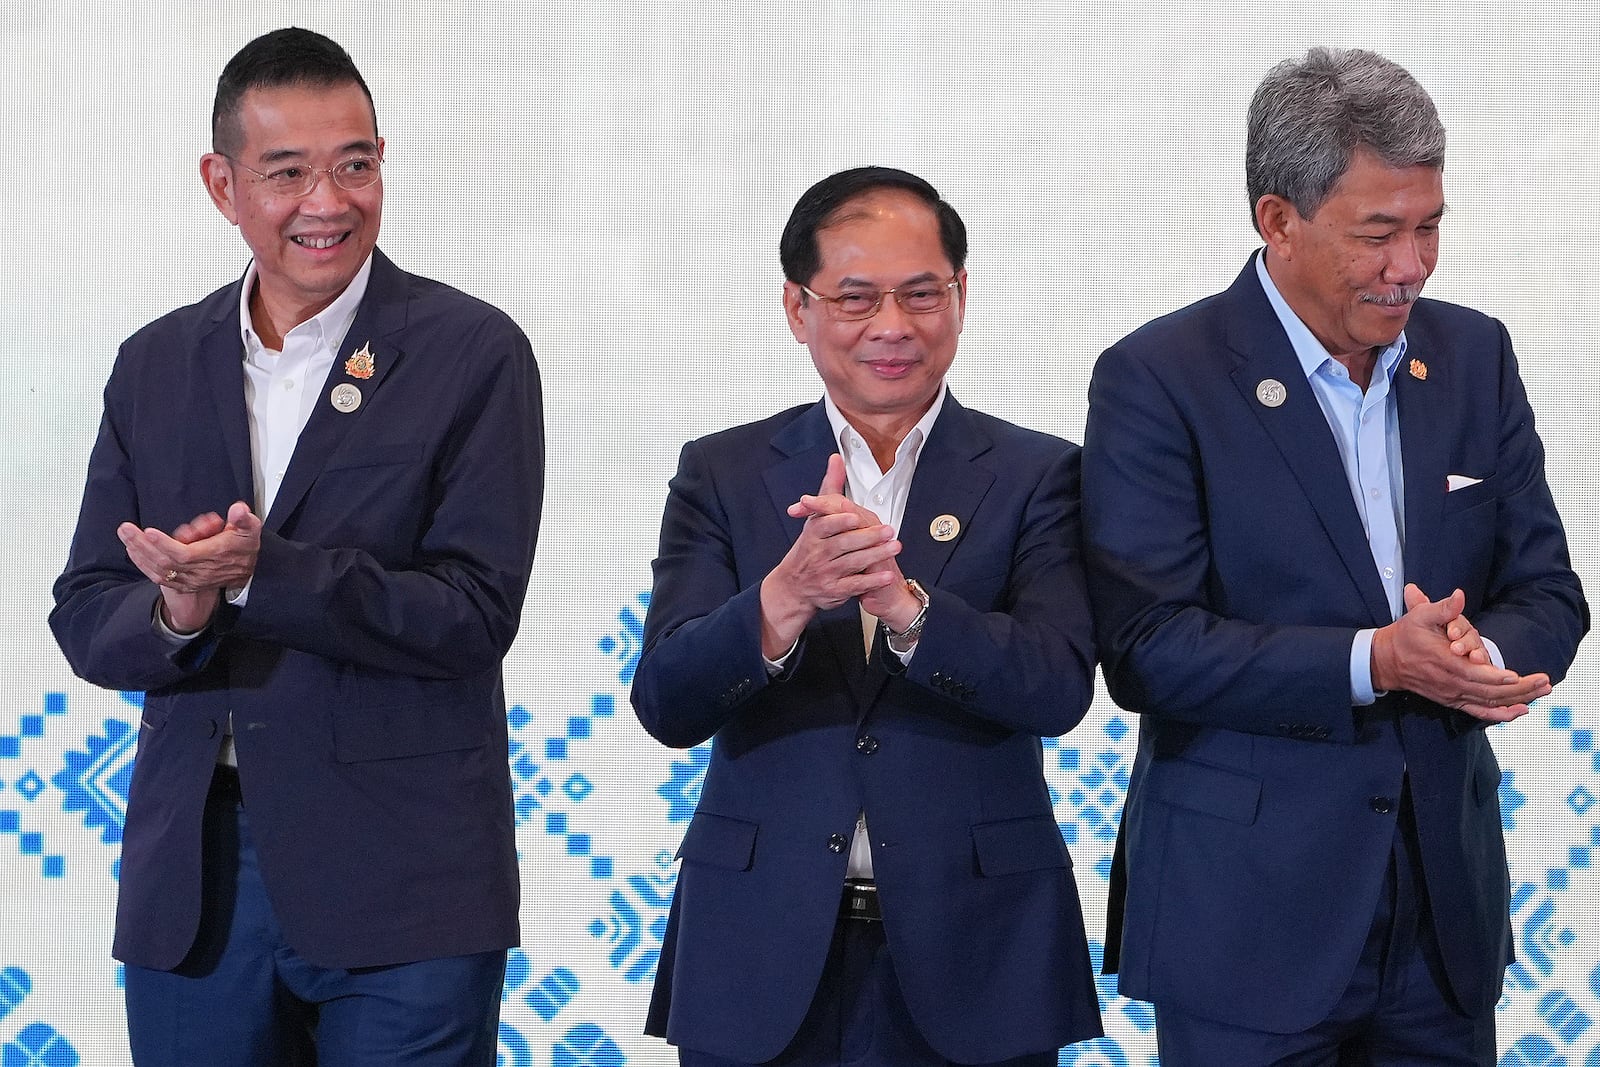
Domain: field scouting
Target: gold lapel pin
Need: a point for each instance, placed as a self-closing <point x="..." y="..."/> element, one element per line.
<point x="361" y="363"/>
<point x="1419" y="370"/>
<point x="945" y="528"/>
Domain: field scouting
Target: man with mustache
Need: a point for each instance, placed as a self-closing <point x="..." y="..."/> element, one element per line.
<point x="1323" y="558"/>
<point x="306" y="536"/>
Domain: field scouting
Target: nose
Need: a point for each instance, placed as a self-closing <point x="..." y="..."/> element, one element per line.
<point x="325" y="198"/>
<point x="890" y="320"/>
<point x="1406" y="265"/>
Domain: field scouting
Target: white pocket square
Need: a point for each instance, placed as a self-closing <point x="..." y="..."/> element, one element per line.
<point x="1452" y="482"/>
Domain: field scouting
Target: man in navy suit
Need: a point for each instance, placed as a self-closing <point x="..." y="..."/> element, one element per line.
<point x="1323" y="558"/>
<point x="306" y="535"/>
<point x="874" y="608"/>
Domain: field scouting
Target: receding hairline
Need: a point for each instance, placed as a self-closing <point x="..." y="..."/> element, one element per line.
<point x="226" y="127"/>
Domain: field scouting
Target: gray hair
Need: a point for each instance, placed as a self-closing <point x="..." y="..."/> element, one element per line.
<point x="1309" y="115"/>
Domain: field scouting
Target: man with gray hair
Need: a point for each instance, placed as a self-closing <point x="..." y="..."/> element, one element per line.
<point x="1323" y="557"/>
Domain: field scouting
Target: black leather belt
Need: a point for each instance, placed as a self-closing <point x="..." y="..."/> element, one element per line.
<point x="225" y="783"/>
<point x="861" y="901"/>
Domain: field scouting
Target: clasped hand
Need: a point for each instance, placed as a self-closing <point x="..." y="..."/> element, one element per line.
<point x="844" y="552"/>
<point x="1434" y="651"/>
<point x="196" y="562"/>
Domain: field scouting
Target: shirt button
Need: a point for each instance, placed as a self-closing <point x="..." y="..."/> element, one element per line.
<point x="1388" y="574"/>
<point x="836" y="842"/>
<point x="1373" y="493"/>
<point x="1382" y="805"/>
<point x="288" y="384"/>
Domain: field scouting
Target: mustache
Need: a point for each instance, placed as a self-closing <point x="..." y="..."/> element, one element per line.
<point x="1401" y="294"/>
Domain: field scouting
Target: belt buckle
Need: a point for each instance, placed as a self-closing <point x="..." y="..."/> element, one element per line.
<point x="861" y="901"/>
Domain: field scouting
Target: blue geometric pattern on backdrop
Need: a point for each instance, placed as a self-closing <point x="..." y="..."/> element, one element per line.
<point x="63" y="799"/>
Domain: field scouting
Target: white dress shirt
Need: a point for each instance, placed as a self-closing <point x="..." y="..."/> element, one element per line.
<point x="281" y="389"/>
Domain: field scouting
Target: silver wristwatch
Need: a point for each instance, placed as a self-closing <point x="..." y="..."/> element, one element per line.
<point x="904" y="640"/>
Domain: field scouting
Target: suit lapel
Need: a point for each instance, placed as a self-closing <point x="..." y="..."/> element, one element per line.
<point x="947" y="483"/>
<point x="1299" y="430"/>
<point x="805" y="444"/>
<point x="222" y="356"/>
<point x="381" y="316"/>
<point x="1424" y="444"/>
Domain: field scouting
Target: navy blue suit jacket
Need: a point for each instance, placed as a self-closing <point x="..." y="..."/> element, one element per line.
<point x="980" y="907"/>
<point x="1230" y="572"/>
<point x="363" y="674"/>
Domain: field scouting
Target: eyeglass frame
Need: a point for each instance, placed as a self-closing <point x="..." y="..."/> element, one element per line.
<point x="833" y="301"/>
<point x="316" y="173"/>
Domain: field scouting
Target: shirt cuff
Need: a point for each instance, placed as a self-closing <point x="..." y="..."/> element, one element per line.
<point x="774" y="666"/>
<point x="1494" y="652"/>
<point x="1361" y="693"/>
<point x="168" y="634"/>
<point x="237" y="597"/>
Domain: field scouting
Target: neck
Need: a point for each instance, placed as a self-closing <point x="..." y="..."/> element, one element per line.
<point x="883" y="433"/>
<point x="1360" y="365"/>
<point x="271" y="318"/>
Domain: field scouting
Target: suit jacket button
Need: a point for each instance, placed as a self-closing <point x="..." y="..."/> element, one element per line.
<point x="1285" y="728"/>
<point x="1382" y="805"/>
<point x="866" y="744"/>
<point x="837" y="842"/>
<point x="211" y="727"/>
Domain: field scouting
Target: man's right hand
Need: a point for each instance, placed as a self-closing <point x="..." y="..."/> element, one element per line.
<point x="838" y="557"/>
<point x="1433" y="651"/>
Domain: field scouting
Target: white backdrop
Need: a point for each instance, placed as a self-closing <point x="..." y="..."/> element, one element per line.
<point x="615" y="175"/>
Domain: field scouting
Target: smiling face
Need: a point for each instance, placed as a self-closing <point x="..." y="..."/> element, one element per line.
<point x="308" y="248"/>
<point x="883" y="372"/>
<point x="1354" y="269"/>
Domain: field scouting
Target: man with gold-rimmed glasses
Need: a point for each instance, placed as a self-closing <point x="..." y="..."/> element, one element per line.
<point x="874" y="607"/>
<point x="307" y="532"/>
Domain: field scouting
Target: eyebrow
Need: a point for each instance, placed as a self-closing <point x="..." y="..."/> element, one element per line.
<point x="1380" y="219"/>
<point x="862" y="283"/>
<point x="360" y="148"/>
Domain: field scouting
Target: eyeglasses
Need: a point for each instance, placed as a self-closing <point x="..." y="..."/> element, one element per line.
<point x="915" y="298"/>
<point x="297" y="179"/>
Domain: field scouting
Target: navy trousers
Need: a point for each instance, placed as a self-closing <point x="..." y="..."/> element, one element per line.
<point x="1397" y="1012"/>
<point x="858" y="1017"/>
<point x="244" y="998"/>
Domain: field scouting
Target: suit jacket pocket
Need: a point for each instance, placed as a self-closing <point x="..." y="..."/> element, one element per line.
<point x="370" y="454"/>
<point x="1486" y="775"/>
<point x="1470" y="496"/>
<point x="1209" y="790"/>
<point x="394" y="731"/>
<point x="719" y="841"/>
<point x="1012" y="846"/>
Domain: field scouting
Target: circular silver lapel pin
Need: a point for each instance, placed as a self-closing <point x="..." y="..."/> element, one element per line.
<point x="945" y="528"/>
<point x="345" y="397"/>
<point x="1271" y="392"/>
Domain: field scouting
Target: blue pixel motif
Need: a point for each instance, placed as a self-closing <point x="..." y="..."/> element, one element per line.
<point x="627" y="643"/>
<point x="96" y="780"/>
<point x="682" y="790"/>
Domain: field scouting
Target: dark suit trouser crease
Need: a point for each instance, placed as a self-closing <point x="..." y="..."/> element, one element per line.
<point x="858" y="1017"/>
<point x="244" y="998"/>
<point x="1398" y="1010"/>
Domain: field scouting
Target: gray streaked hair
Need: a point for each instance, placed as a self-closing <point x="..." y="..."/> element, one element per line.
<point x="1309" y="115"/>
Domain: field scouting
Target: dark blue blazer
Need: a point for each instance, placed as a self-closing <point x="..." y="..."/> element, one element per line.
<point x="1230" y="572"/>
<point x="980" y="907"/>
<point x="363" y="674"/>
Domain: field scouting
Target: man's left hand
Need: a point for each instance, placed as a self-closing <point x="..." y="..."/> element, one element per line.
<point x="222" y="557"/>
<point x="895" y="604"/>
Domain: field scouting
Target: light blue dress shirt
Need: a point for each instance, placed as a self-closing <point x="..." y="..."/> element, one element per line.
<point x="1366" y="429"/>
